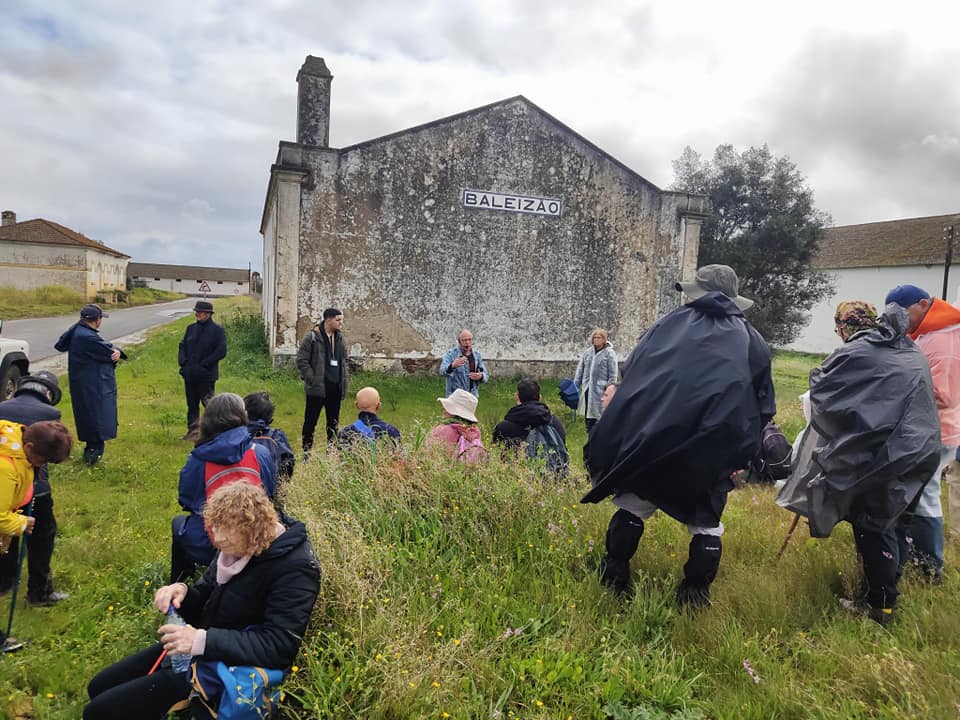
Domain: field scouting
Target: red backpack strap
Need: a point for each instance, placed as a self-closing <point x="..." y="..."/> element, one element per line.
<point x="248" y="470"/>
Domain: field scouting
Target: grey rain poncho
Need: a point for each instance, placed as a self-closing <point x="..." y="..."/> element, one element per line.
<point x="874" y="437"/>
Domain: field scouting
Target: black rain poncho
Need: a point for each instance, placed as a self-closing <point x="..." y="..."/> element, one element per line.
<point x="874" y="437"/>
<point x="695" y="395"/>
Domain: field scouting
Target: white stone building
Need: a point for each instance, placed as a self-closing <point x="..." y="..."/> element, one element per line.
<point x="190" y="279"/>
<point x="868" y="260"/>
<point x="41" y="252"/>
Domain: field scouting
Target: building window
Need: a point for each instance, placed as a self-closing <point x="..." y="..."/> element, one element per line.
<point x="178" y="280"/>
<point x="159" y="278"/>
<point x="219" y="282"/>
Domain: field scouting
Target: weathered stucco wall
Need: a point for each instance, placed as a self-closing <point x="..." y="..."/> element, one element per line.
<point x="30" y="265"/>
<point x="383" y="236"/>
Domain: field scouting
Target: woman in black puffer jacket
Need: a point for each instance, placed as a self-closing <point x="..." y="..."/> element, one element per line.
<point x="251" y="607"/>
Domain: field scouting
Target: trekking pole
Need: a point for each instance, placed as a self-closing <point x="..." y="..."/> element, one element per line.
<point x="793" y="526"/>
<point x="12" y="644"/>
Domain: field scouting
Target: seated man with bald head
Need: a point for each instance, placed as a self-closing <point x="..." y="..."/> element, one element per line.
<point x="368" y="426"/>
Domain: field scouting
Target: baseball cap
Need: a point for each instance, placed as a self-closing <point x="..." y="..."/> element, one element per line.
<point x="906" y="295"/>
<point x="92" y="312"/>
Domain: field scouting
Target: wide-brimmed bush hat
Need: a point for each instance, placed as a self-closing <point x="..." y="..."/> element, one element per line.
<point x="462" y="404"/>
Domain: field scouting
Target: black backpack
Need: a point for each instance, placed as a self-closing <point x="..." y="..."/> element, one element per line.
<point x="543" y="441"/>
<point x="773" y="459"/>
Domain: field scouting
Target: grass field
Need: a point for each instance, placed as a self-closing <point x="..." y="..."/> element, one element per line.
<point x="472" y="594"/>
<point x="52" y="300"/>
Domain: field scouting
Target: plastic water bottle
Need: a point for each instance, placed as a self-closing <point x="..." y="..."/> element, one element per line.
<point x="180" y="662"/>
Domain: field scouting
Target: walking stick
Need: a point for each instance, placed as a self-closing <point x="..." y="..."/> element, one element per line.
<point x="12" y="644"/>
<point x="793" y="526"/>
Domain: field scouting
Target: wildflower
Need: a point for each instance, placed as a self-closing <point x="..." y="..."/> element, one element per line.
<point x="49" y="696"/>
<point x="146" y="583"/>
<point x="378" y="657"/>
<point x="749" y="668"/>
<point x="756" y="501"/>
<point x="517" y="632"/>
<point x="508" y="633"/>
<point x="444" y="714"/>
<point x="496" y="715"/>
<point x="295" y="669"/>
<point x="435" y="684"/>
<point x="539" y="703"/>
<point x="109" y="608"/>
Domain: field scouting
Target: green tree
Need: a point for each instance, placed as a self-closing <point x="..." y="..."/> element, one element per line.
<point x="765" y="226"/>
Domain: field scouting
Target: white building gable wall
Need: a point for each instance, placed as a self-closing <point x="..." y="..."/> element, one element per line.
<point x="870" y="284"/>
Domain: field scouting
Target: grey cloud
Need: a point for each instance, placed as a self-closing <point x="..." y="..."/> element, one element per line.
<point x="871" y="113"/>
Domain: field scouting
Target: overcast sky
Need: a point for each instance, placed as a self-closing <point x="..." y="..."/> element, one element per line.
<point x="152" y="126"/>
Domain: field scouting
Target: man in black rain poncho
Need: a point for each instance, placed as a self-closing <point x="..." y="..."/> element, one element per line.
<point x="872" y="444"/>
<point x="695" y="395"/>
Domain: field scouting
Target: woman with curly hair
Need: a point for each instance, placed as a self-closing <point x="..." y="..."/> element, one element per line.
<point x="251" y="607"/>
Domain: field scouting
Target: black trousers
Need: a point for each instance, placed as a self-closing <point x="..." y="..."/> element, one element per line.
<point x="197" y="392"/>
<point x="124" y="690"/>
<point x="880" y="555"/>
<point x="331" y="404"/>
<point x="39" y="551"/>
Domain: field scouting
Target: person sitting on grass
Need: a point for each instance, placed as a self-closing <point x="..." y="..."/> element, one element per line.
<point x="260" y="410"/>
<point x="368" y="426"/>
<point x="458" y="432"/>
<point x="250" y="608"/>
<point x="530" y="425"/>
<point x="224" y="453"/>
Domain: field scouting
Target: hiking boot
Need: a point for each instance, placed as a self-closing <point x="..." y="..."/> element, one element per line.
<point x="47" y="600"/>
<point x="615" y="575"/>
<point x="694" y="597"/>
<point x="883" y="616"/>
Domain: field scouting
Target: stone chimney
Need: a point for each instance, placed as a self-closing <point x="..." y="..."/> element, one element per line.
<point x="9" y="217"/>
<point x="313" y="103"/>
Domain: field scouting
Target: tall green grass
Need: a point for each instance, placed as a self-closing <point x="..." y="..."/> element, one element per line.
<point x="471" y="593"/>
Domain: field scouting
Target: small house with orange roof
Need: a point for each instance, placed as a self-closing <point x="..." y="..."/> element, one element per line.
<point x="39" y="252"/>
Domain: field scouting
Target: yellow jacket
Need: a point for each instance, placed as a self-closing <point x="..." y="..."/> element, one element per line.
<point x="16" y="479"/>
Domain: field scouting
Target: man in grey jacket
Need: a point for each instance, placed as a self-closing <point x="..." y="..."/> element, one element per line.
<point x="322" y="362"/>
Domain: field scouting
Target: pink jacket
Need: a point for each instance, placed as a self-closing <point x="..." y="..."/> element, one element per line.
<point x="448" y="434"/>
<point x="939" y="338"/>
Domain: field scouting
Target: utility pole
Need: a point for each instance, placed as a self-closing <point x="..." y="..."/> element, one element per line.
<point x="948" y="237"/>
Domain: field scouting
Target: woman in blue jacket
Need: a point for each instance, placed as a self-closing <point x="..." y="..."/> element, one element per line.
<point x="225" y="453"/>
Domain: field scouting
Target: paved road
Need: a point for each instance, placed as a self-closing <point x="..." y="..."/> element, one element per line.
<point x="42" y="333"/>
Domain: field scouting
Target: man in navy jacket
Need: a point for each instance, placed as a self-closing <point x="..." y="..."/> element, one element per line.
<point x="203" y="346"/>
<point x="91" y="365"/>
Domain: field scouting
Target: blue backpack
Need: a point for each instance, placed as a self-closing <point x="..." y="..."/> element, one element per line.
<point x="569" y="393"/>
<point x="237" y="692"/>
<point x="363" y="429"/>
